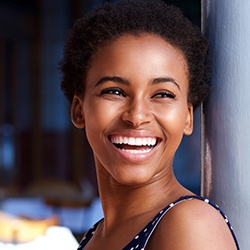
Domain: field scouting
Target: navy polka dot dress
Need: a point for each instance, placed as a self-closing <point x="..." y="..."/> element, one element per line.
<point x="141" y="239"/>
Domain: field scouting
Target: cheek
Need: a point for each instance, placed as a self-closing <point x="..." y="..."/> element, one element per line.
<point x="173" y="122"/>
<point x="98" y="119"/>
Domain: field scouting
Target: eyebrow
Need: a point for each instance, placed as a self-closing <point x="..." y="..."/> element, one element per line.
<point x="112" y="79"/>
<point x="166" y="79"/>
<point x="126" y="82"/>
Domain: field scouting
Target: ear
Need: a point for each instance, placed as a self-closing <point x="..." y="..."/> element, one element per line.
<point x="77" y="114"/>
<point x="188" y="129"/>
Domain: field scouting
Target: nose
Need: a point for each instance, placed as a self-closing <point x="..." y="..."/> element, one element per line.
<point x="137" y="113"/>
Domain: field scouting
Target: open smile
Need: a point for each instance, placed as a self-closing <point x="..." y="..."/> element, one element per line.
<point x="134" y="145"/>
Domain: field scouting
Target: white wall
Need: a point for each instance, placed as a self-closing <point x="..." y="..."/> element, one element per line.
<point x="227" y="113"/>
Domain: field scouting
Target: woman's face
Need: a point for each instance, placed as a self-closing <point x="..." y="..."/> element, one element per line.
<point x="135" y="108"/>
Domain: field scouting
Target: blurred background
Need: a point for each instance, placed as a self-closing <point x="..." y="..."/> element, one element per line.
<point x="46" y="165"/>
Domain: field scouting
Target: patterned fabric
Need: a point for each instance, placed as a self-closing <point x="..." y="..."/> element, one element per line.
<point x="140" y="240"/>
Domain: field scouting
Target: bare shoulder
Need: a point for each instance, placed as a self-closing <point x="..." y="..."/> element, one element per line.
<point x="192" y="224"/>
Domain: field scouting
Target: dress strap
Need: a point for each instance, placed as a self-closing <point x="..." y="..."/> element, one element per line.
<point x="88" y="235"/>
<point x="140" y="240"/>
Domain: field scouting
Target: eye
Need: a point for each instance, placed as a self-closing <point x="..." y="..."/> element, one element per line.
<point x="164" y="94"/>
<point x="113" y="91"/>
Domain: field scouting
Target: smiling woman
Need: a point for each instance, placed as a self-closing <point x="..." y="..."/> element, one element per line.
<point x="133" y="79"/>
<point x="146" y="97"/>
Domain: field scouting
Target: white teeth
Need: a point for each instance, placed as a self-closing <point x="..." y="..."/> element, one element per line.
<point x="138" y="142"/>
<point x="137" y="151"/>
<point x="132" y="141"/>
<point x="125" y="141"/>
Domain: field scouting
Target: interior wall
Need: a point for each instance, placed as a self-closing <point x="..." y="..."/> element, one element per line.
<point x="37" y="140"/>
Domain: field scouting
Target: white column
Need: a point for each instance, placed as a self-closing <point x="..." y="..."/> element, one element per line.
<point x="227" y="113"/>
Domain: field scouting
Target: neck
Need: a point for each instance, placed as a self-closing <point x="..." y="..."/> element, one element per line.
<point x="122" y="203"/>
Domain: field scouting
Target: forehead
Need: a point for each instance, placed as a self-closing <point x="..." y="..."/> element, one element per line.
<point x="144" y="54"/>
<point x="142" y="38"/>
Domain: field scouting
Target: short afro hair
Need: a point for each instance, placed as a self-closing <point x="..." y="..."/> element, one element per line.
<point x="107" y="23"/>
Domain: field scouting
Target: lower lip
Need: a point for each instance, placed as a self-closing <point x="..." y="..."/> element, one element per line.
<point x="135" y="156"/>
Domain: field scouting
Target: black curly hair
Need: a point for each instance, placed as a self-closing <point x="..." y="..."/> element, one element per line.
<point x="112" y="20"/>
